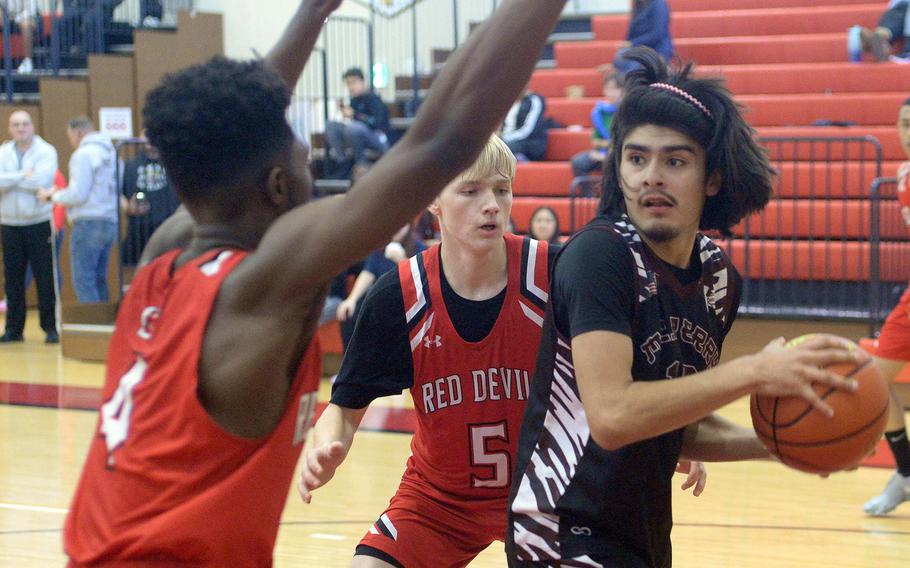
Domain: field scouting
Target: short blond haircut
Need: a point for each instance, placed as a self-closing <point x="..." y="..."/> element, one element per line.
<point x="495" y="158"/>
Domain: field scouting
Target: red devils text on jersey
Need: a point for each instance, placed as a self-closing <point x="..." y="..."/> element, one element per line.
<point x="470" y="397"/>
<point x="164" y="484"/>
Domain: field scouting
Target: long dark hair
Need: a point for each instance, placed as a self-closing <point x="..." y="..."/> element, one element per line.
<point x="728" y="141"/>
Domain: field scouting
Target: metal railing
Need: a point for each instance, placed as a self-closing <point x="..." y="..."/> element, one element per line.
<point x="51" y="37"/>
<point x="830" y="243"/>
<point x="808" y="254"/>
<point x="890" y="247"/>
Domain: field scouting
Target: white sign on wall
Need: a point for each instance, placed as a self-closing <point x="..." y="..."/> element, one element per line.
<point x="391" y="7"/>
<point x="116" y="122"/>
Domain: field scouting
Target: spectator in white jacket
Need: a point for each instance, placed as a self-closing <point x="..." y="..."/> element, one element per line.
<point x="91" y="202"/>
<point x="27" y="164"/>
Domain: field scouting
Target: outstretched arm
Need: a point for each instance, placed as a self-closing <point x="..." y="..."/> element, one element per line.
<point x="289" y="56"/>
<point x="332" y="439"/>
<point x="274" y="289"/>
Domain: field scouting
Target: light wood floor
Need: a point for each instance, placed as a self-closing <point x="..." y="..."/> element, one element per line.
<point x="751" y="515"/>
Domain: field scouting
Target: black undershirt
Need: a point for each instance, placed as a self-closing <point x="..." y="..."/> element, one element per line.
<point x="472" y="319"/>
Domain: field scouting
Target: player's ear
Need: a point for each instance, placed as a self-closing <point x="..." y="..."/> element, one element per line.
<point x="276" y="186"/>
<point x="434" y="207"/>
<point x="712" y="188"/>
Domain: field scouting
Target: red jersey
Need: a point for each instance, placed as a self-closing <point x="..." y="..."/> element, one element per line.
<point x="903" y="192"/>
<point x="163" y="484"/>
<point x="470" y="397"/>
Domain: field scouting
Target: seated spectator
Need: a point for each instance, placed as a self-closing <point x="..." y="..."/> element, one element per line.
<point x="893" y="27"/>
<point x="22" y="15"/>
<point x="525" y="128"/>
<point x="404" y="244"/>
<point x="544" y="225"/>
<point x="363" y="136"/>
<point x="591" y="161"/>
<point x="649" y="26"/>
<point x="147" y="199"/>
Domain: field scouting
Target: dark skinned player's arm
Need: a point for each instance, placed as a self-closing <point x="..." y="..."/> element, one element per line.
<point x="287" y="58"/>
<point x="255" y="331"/>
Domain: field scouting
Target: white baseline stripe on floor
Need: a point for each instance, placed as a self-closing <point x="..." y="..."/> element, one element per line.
<point x="34" y="508"/>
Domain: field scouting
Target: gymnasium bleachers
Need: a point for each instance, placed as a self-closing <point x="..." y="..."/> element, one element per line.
<point x="786" y="62"/>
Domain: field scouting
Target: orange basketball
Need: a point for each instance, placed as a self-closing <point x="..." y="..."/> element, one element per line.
<point x="805" y="439"/>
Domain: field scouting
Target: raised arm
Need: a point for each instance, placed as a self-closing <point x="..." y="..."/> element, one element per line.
<point x="289" y="56"/>
<point x="466" y="103"/>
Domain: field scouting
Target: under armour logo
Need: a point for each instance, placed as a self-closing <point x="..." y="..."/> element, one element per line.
<point x="427" y="342"/>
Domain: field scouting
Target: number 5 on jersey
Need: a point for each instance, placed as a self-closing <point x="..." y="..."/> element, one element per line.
<point x="496" y="460"/>
<point x="115" y="413"/>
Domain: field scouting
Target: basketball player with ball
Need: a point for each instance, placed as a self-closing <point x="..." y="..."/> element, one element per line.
<point x="627" y="377"/>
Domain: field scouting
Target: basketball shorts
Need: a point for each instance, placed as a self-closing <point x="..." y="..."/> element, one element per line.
<point x="418" y="530"/>
<point x="894" y="340"/>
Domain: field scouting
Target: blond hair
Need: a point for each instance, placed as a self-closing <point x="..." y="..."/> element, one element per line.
<point x="495" y="158"/>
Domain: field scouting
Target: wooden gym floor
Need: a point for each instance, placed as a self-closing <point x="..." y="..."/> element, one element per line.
<point x="756" y="514"/>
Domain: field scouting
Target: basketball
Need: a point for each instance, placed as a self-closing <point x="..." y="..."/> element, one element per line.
<point x="805" y="439"/>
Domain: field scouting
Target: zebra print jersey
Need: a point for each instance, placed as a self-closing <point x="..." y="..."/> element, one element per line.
<point x="572" y="502"/>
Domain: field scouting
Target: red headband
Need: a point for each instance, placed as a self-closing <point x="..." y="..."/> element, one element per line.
<point x="676" y="90"/>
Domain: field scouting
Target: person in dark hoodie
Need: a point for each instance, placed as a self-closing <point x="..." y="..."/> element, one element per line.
<point x="525" y="128"/>
<point x="91" y="202"/>
<point x="149" y="200"/>
<point x="364" y="130"/>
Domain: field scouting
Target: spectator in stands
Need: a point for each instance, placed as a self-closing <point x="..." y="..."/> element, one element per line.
<point x="147" y="199"/>
<point x="525" y="128"/>
<point x="591" y="161"/>
<point x="363" y="136"/>
<point x="91" y="201"/>
<point x="544" y="225"/>
<point x="893" y="353"/>
<point x="893" y="27"/>
<point x="27" y="164"/>
<point x="404" y="244"/>
<point x="649" y="26"/>
<point x="22" y="15"/>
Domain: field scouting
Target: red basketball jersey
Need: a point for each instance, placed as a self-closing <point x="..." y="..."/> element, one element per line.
<point x="163" y="484"/>
<point x="903" y="192"/>
<point x="470" y="397"/>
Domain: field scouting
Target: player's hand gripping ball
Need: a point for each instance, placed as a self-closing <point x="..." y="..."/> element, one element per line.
<point x="805" y="439"/>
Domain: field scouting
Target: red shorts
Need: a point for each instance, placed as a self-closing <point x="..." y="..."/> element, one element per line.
<point x="894" y="340"/>
<point x="419" y="529"/>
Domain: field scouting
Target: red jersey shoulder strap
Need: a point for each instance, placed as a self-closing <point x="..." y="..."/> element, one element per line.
<point x="415" y="290"/>
<point x="533" y="274"/>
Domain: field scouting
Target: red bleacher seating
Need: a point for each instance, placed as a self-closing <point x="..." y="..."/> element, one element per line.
<point x="873" y="109"/>
<point x="767" y="79"/>
<point x="678" y="6"/>
<point x="760" y="21"/>
<point x="736" y="50"/>
<point x="550" y="179"/>
<point x="564" y="143"/>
